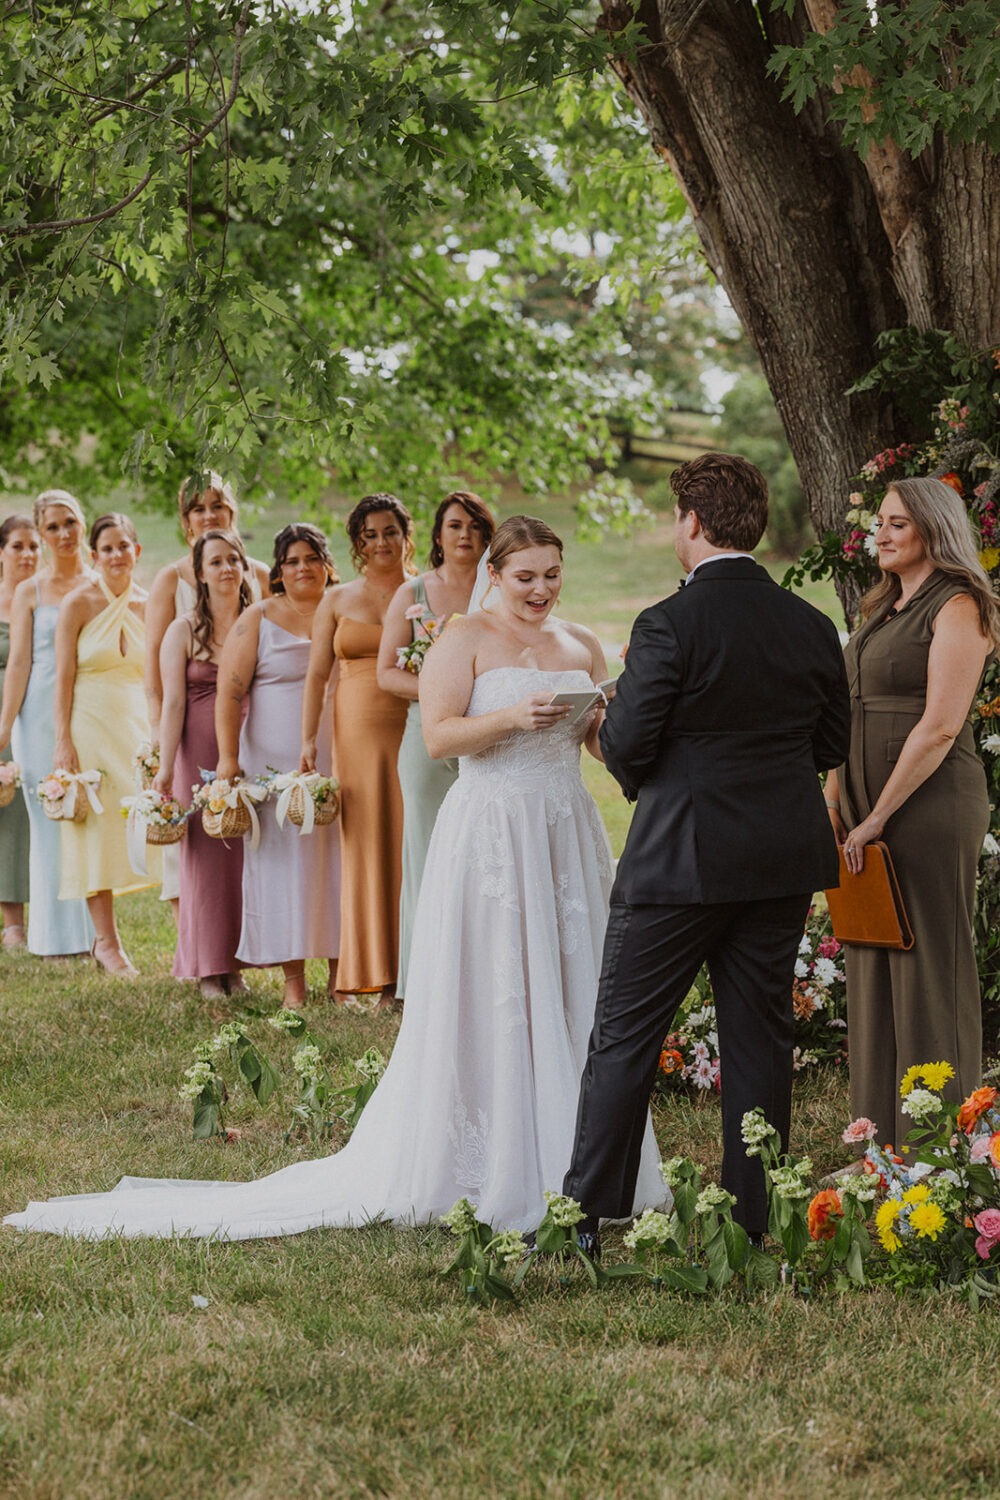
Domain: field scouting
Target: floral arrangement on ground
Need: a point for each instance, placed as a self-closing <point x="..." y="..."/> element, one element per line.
<point x="936" y="1217"/>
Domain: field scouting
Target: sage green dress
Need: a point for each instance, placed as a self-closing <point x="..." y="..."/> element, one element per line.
<point x="920" y="1006"/>
<point x="13" y="817"/>
<point x="424" y="784"/>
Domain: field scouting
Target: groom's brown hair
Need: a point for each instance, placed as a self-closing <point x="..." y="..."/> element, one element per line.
<point x="727" y="494"/>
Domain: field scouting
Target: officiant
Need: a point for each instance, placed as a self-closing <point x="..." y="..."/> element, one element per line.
<point x="913" y="778"/>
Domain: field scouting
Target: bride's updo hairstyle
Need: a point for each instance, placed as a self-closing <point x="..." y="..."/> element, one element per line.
<point x="517" y="533"/>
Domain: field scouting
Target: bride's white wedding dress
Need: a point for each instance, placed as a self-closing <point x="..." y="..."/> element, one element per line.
<point x="479" y="1099"/>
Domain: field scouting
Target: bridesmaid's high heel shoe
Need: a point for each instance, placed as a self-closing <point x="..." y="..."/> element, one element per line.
<point x="122" y="969"/>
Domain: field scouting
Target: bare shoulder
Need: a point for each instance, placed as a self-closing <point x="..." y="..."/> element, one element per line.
<point x="178" y="634"/>
<point x="248" y="623"/>
<point x="25" y="596"/>
<point x="580" y="633"/>
<point x="164" y="584"/>
<point x="960" y="615"/>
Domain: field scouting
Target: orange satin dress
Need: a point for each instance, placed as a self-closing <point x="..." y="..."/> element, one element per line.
<point x="367" y="727"/>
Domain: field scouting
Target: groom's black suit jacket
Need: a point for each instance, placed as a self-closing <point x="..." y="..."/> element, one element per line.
<point x="734" y="695"/>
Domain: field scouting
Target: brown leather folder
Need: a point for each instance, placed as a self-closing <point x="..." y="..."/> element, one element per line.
<point x="868" y="909"/>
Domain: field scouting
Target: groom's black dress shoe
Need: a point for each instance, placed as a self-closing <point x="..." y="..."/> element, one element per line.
<point x="589" y="1241"/>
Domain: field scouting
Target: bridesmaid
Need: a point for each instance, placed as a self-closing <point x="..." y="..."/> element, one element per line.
<point x="368" y="727"/>
<point x="291" y="883"/>
<point x="210" y="908"/>
<point x="205" y="502"/>
<point x="55" y="928"/>
<point x="462" y="530"/>
<point x="100" y="714"/>
<point x="19" y="549"/>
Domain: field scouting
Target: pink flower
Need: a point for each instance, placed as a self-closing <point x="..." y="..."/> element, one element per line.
<point x="859" y="1130"/>
<point x="52" y="789"/>
<point x="415" y="611"/>
<point x="980" y="1149"/>
<point x="828" y="947"/>
<point x="988" y="1224"/>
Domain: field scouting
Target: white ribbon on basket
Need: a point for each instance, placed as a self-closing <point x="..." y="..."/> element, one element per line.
<point x="285" y="785"/>
<point x="248" y="793"/>
<point x="86" y="782"/>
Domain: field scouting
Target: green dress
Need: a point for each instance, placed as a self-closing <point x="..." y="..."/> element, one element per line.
<point x="921" y="1006"/>
<point x="13" y="817"/>
<point x="424" y="784"/>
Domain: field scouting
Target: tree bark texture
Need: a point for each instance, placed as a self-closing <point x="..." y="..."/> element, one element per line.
<point x="817" y="251"/>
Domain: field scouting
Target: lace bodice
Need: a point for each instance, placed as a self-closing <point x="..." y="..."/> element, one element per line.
<point x="527" y="754"/>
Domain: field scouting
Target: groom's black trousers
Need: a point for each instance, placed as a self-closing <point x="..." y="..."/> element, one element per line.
<point x="651" y="957"/>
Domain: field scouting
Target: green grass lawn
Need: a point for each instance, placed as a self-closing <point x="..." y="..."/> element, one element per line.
<point x="341" y="1364"/>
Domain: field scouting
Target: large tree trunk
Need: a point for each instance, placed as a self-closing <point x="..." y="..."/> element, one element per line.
<point x="818" y="252"/>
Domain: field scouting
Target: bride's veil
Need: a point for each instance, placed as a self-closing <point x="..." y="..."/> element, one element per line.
<point x="482" y="585"/>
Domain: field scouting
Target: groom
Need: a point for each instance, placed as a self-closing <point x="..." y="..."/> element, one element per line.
<point x="733" y="697"/>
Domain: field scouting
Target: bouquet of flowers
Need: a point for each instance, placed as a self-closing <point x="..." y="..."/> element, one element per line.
<point x="411" y="657"/>
<point x="146" y="761"/>
<point x="10" y="780"/>
<point x="70" y="794"/>
<point x="229" y="808"/>
<point x="164" y="819"/>
<point x="305" y="798"/>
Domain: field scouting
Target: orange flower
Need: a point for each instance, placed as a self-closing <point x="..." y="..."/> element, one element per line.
<point x="824" y="1210"/>
<point x="671" y="1060"/>
<point x="952" y="478"/>
<point x="978" y="1102"/>
<point x="995" y="1149"/>
<point x="803" y="1004"/>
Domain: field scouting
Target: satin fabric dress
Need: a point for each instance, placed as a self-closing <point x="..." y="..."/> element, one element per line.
<point x="922" y="1005"/>
<point x="291" y="882"/>
<point x="107" y="725"/>
<point x="368" y="729"/>
<point x="424" y="784"/>
<point x="479" y="1099"/>
<point x="14" y="854"/>
<point x="210" y="912"/>
<point x="55" y="927"/>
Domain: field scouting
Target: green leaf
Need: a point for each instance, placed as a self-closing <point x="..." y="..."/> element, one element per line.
<point x="693" y="1279"/>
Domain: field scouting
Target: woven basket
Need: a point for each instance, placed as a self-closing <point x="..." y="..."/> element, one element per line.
<point x="324" y="811"/>
<point x="230" y="823"/>
<point x="7" y="791"/>
<point x="168" y="833"/>
<point x="54" y="810"/>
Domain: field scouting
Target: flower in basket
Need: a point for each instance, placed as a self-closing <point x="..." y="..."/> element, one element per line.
<point x="153" y="819"/>
<point x="60" y="792"/>
<point x="304" y="797"/>
<point x="218" y="794"/>
<point x="146" y="761"/>
<point x="10" y="780"/>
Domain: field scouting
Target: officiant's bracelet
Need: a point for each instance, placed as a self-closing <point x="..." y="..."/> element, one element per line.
<point x="834" y="805"/>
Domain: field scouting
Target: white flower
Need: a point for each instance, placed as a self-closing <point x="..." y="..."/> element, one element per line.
<point x="825" y="971"/>
<point x="508" y="1247"/>
<point x="307" y="1061"/>
<point x="672" y="1171"/>
<point x="699" y="1052"/>
<point x="198" y="1301"/>
<point x="372" y="1065"/>
<point x="285" y="1020"/>
<point x="704" y="1073"/>
<point x="991" y="742"/>
<point x="198" y="1075"/>
<point x="801" y="968"/>
<point x="227" y="1036"/>
<point x="460" y="1218"/>
<point x="870" y="546"/>
<point x="564" y="1212"/>
<point x="805" y="945"/>
<point x="789" y="1182"/>
<point x="755" y="1131"/>
<point x="921" y="1104"/>
<point x="711" y="1198"/>
<point x="651" y="1228"/>
<point x="990" y="845"/>
<point x="860" y="1185"/>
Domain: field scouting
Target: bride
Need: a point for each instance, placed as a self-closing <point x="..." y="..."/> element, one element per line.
<point x="479" y="1098"/>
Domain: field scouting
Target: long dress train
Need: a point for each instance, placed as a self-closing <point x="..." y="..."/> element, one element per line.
<point x="479" y="1098"/>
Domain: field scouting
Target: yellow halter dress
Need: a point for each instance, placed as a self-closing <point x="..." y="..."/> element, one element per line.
<point x="108" y="724"/>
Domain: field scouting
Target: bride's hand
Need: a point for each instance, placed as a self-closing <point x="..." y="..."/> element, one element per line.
<point x="537" y="712"/>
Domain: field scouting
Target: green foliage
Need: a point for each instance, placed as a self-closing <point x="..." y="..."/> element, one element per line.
<point x="288" y="242"/>
<point x="750" y="425"/>
<point x="909" y="70"/>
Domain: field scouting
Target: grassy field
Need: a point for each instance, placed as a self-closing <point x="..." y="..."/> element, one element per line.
<point x="339" y="1363"/>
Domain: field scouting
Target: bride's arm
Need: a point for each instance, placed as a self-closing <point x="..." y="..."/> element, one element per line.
<point x="446" y="683"/>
